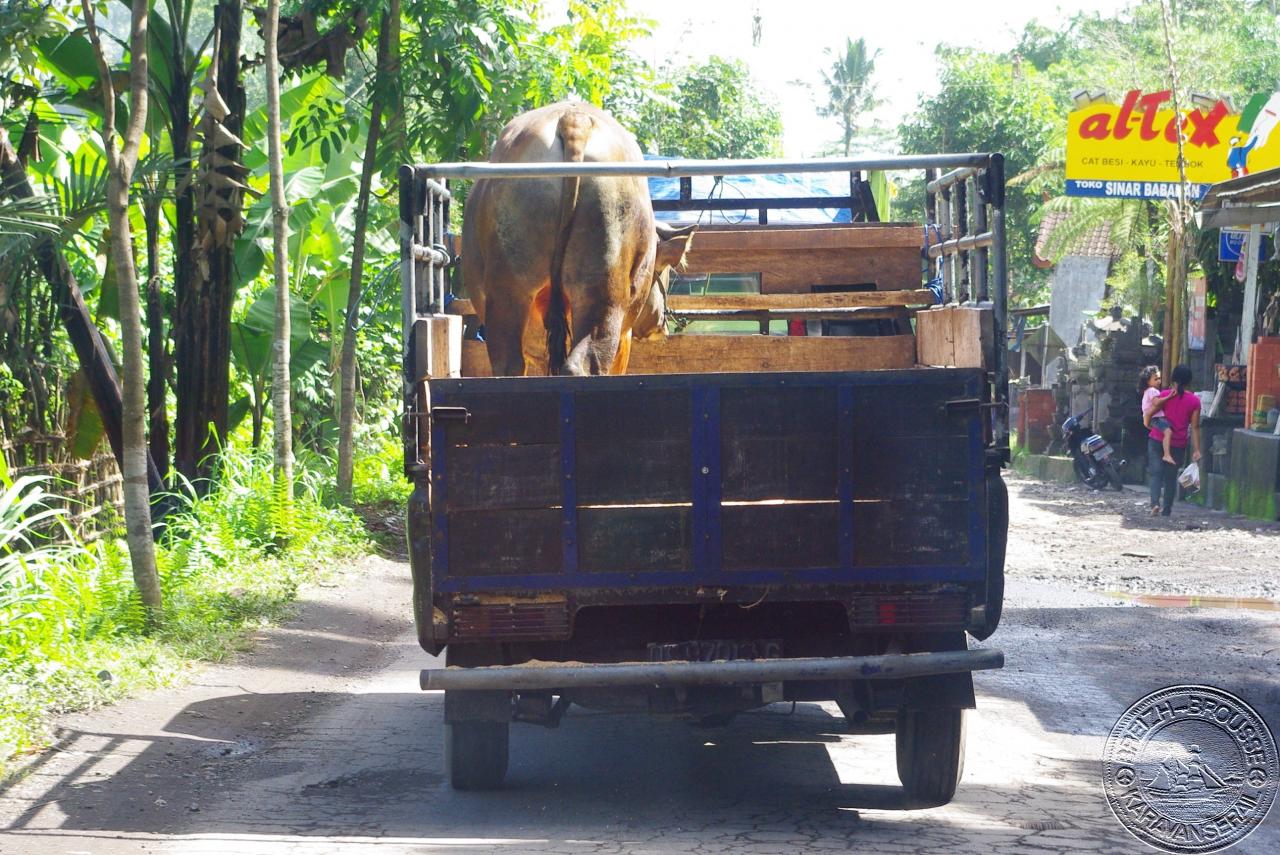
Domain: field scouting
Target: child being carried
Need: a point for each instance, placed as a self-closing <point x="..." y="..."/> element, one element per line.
<point x="1152" y="404"/>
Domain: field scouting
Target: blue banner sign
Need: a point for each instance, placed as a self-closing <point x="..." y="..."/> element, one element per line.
<point x="1231" y="241"/>
<point x="1132" y="189"/>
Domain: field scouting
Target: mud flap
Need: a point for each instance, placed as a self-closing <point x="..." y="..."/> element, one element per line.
<point x="997" y="541"/>
<point x="477" y="706"/>
<point x="939" y="691"/>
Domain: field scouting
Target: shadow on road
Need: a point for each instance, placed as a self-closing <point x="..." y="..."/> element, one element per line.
<point x="370" y="764"/>
<point x="1078" y="669"/>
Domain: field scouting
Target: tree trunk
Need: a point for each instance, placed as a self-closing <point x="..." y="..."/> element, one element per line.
<point x="1175" y="318"/>
<point x="157" y="353"/>
<point x="281" y="415"/>
<point x="86" y="340"/>
<point x="202" y="348"/>
<point x="120" y="165"/>
<point x="184" y="232"/>
<point x="385" y="76"/>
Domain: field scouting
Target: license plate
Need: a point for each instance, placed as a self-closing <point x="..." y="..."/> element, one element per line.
<point x="715" y="650"/>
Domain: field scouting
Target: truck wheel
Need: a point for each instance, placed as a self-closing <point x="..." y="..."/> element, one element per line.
<point x="475" y="754"/>
<point x="930" y="747"/>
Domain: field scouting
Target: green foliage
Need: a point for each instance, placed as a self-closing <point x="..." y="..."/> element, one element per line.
<point x="589" y="58"/>
<point x="714" y="110"/>
<point x="461" y="74"/>
<point x="23" y="24"/>
<point x="69" y="611"/>
<point x="992" y="103"/>
<point x="379" y="476"/>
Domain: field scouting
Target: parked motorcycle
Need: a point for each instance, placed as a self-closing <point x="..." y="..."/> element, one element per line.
<point x="1094" y="459"/>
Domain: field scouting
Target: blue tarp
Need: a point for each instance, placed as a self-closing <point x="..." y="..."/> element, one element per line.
<point x="756" y="187"/>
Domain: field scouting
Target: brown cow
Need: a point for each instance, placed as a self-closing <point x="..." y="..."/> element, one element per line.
<point x="576" y="257"/>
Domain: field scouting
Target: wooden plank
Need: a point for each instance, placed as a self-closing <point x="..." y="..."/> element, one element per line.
<point x="798" y="467"/>
<point x="935" y="336"/>
<point x="924" y="532"/>
<point x="635" y="540"/>
<point x="910" y="468"/>
<point x="503" y="476"/>
<point x="914" y="410"/>
<point x="510" y="417"/>
<point x="805" y="238"/>
<point x="791" y="272"/>
<point x="779" y="537"/>
<point x="437" y="346"/>
<point x="506" y="542"/>
<point x="759" y="302"/>
<point x="778" y="443"/>
<point x="610" y="473"/>
<point x="622" y="416"/>
<point x="475" y="359"/>
<point x="633" y="446"/>
<point x="757" y="353"/>
<point x="460" y="306"/>
<point x="974" y="337"/>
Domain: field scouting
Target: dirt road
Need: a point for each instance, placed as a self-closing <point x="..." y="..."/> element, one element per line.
<point x="319" y="741"/>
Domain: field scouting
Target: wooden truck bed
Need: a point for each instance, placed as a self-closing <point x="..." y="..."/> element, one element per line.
<point x="740" y="519"/>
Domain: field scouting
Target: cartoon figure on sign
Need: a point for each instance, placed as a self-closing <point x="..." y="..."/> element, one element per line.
<point x="1257" y="121"/>
<point x="1238" y="157"/>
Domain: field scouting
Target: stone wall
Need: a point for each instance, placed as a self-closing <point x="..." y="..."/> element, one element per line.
<point x="1104" y="376"/>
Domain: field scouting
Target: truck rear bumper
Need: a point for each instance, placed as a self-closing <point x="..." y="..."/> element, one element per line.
<point x="581" y="675"/>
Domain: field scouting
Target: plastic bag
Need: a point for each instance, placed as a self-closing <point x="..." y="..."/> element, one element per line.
<point x="1190" y="478"/>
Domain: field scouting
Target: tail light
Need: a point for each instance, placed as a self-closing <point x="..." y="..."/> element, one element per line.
<point x="941" y="609"/>
<point x="510" y="622"/>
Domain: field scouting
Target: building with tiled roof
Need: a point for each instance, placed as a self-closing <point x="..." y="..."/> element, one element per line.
<point x="1095" y="243"/>
<point x="1079" y="285"/>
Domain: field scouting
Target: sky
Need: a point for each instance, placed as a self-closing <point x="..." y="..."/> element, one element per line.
<point x="794" y="34"/>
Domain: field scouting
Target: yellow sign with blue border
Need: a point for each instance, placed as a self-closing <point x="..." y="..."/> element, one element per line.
<point x="1130" y="150"/>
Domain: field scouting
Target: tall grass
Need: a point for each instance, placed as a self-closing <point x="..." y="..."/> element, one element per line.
<point x="72" y="630"/>
<point x="378" y="475"/>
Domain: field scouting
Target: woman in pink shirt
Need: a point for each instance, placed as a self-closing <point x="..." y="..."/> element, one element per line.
<point x="1182" y="409"/>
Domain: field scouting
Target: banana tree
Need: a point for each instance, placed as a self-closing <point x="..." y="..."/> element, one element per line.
<point x="251" y="339"/>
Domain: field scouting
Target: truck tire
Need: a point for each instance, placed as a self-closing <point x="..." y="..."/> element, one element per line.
<point x="930" y="748"/>
<point x="475" y="754"/>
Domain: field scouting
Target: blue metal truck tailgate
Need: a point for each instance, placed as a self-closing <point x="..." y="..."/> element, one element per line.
<point x="562" y="483"/>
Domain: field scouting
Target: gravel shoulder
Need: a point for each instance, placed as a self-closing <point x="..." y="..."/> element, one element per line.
<point x="1108" y="541"/>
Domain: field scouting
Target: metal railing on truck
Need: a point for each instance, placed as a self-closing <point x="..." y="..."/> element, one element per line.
<point x="965" y="247"/>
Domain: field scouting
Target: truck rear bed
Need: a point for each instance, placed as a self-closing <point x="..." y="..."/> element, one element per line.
<point x="600" y="491"/>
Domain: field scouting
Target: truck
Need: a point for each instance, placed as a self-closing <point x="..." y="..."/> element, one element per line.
<point x="810" y="510"/>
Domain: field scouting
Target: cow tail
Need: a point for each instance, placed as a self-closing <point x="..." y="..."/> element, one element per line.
<point x="573" y="129"/>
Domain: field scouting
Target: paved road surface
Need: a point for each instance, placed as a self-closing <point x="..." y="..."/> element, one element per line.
<point x="319" y="742"/>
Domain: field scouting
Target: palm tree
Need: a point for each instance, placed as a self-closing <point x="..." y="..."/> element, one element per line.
<point x="850" y="90"/>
